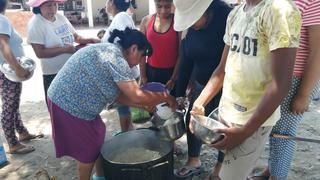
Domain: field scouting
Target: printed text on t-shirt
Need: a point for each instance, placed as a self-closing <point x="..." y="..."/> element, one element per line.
<point x="64" y="33"/>
<point x="250" y="45"/>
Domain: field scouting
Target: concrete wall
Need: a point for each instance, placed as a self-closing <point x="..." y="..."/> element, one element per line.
<point x="96" y="6"/>
<point x="143" y="9"/>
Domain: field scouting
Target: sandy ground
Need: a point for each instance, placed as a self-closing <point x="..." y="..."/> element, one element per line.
<point x="306" y="164"/>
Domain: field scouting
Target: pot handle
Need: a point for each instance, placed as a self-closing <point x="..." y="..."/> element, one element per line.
<point x="150" y="128"/>
<point x="131" y="169"/>
<point x="118" y="133"/>
<point x="160" y="164"/>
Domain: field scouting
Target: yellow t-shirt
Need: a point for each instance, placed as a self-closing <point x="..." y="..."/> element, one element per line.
<point x="252" y="35"/>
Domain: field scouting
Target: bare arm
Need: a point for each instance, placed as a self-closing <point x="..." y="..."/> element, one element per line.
<point x="10" y="58"/>
<point x="142" y="64"/>
<point x="123" y="99"/>
<point x="81" y="40"/>
<point x="277" y="90"/>
<point x="171" y="81"/>
<point x="213" y="86"/>
<point x="43" y="52"/>
<point x="311" y="74"/>
<point x="145" y="98"/>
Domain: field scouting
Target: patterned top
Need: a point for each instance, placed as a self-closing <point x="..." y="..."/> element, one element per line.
<point x="87" y="82"/>
<point x="252" y="35"/>
<point x="310" y="12"/>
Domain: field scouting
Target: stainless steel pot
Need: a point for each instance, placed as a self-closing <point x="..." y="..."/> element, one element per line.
<point x="154" y="169"/>
<point x="170" y="129"/>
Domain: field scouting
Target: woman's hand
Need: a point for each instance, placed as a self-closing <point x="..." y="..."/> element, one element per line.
<point x="171" y="101"/>
<point x="21" y="72"/>
<point x="232" y="137"/>
<point x="143" y="80"/>
<point x="70" y="49"/>
<point x="299" y="104"/>
<point x="170" y="84"/>
<point x="197" y="110"/>
<point x="93" y="40"/>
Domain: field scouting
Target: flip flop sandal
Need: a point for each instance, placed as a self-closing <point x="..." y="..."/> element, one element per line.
<point x="213" y="177"/>
<point x="31" y="136"/>
<point x="22" y="150"/>
<point x="190" y="171"/>
<point x="41" y="174"/>
<point x="95" y="177"/>
<point x="258" y="176"/>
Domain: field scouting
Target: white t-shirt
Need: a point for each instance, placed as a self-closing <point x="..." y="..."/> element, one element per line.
<point x="51" y="34"/>
<point x="121" y="21"/>
<point x="15" y="40"/>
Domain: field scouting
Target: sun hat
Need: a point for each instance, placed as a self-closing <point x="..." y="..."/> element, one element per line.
<point x="37" y="3"/>
<point x="187" y="12"/>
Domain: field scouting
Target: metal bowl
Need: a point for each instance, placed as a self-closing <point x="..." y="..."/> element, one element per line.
<point x="25" y="62"/>
<point x="170" y="129"/>
<point x="164" y="111"/>
<point x="204" y="128"/>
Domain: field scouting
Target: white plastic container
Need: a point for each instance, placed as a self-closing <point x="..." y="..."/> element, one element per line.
<point x="3" y="157"/>
<point x="164" y="111"/>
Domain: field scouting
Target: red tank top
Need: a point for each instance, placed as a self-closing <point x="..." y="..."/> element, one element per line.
<point x="165" y="46"/>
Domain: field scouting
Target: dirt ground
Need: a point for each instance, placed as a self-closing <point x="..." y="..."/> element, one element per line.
<point x="306" y="164"/>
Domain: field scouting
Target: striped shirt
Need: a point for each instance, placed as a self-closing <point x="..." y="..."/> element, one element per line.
<point x="310" y="12"/>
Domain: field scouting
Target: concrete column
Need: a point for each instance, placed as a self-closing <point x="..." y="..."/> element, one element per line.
<point x="152" y="8"/>
<point x="90" y="14"/>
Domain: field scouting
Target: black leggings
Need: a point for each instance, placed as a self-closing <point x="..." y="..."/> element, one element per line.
<point x="47" y="79"/>
<point x="161" y="75"/>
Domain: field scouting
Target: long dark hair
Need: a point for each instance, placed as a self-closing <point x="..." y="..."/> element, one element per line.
<point x="123" y="5"/>
<point x="3" y="5"/>
<point x="36" y="10"/>
<point x="129" y="37"/>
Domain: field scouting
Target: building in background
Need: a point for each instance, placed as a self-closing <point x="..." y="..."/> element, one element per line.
<point x="90" y="11"/>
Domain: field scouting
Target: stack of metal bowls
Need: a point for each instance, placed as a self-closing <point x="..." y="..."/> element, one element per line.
<point x="204" y="128"/>
<point x="172" y="128"/>
<point x="25" y="62"/>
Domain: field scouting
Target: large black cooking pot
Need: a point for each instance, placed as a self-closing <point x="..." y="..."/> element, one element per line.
<point x="157" y="169"/>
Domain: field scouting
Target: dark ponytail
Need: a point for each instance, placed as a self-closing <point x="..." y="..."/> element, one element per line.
<point x="133" y="4"/>
<point x="129" y="37"/>
<point x="36" y="10"/>
<point x="121" y="5"/>
<point x="3" y="5"/>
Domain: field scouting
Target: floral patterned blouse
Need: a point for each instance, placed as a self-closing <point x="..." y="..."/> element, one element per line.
<point x="87" y="82"/>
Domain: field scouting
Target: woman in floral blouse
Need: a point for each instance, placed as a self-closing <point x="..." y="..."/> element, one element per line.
<point x="92" y="78"/>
